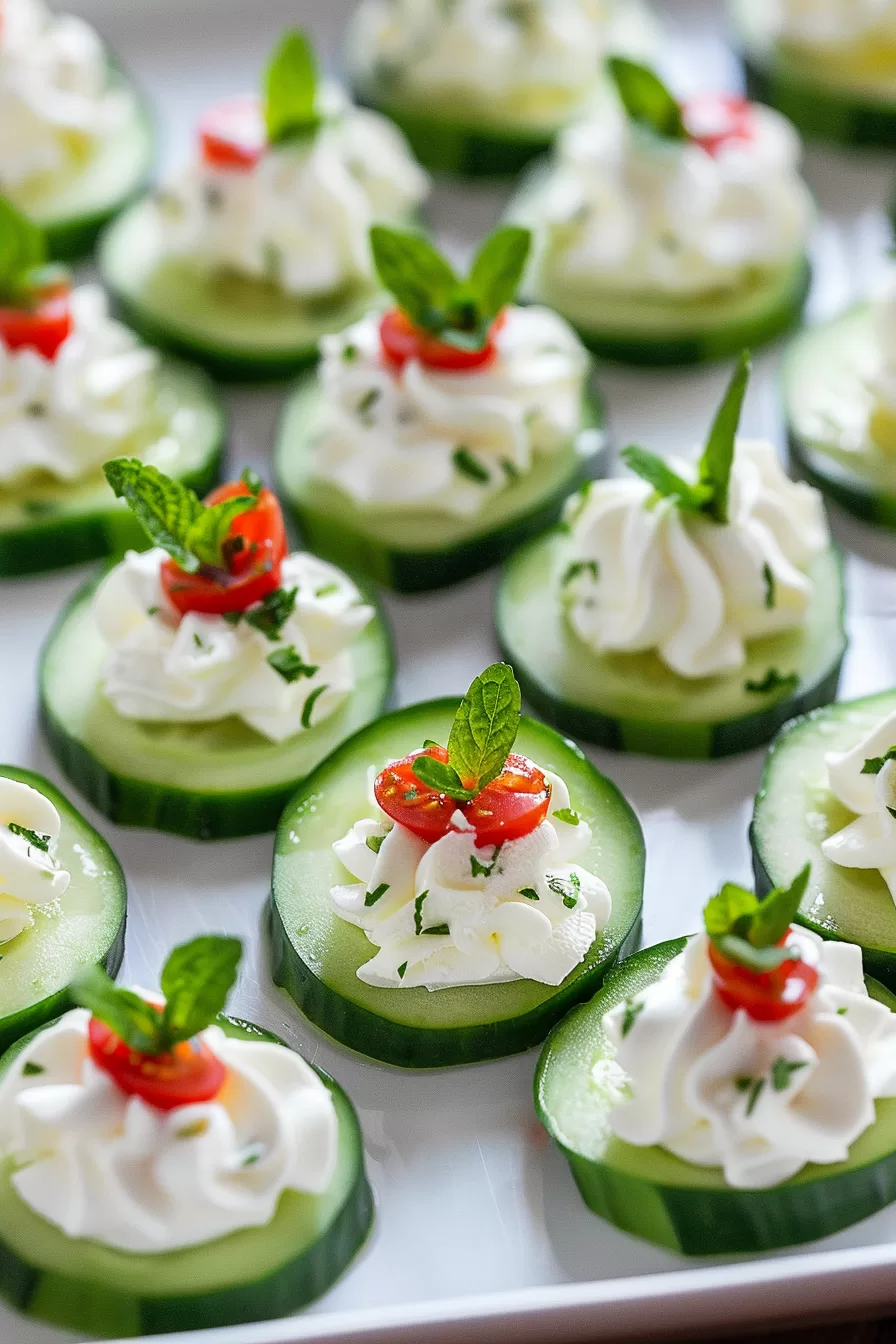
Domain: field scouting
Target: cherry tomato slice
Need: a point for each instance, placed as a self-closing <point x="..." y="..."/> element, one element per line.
<point x="771" y="996"/>
<point x="407" y="800"/>
<point x="232" y="134"/>
<point x="43" y="328"/>
<point x="254" y="568"/>
<point x="512" y="805"/>
<point x="716" y="120"/>
<point x="402" y="341"/>
<point x="190" y="1073"/>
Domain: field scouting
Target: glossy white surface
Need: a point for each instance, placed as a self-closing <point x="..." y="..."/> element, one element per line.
<point x="480" y="1233"/>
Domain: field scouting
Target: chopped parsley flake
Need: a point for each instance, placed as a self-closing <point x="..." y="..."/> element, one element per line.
<point x="375" y="842"/>
<point x="418" y="912"/>
<point x="308" y="707"/>
<point x="841" y="1012"/>
<point x="529" y="892"/>
<point x="350" y="353"/>
<point x="401" y="970"/>
<point x="193" y="1130"/>
<point x="272" y="612"/>
<point x="31" y="1070"/>
<point x="373" y="896"/>
<point x="783" y="1070"/>
<point x="34" y="838"/>
<point x="289" y="664"/>
<point x="484" y="869"/>
<point x="442" y="930"/>
<point x="568" y="815"/>
<point x="874" y="764"/>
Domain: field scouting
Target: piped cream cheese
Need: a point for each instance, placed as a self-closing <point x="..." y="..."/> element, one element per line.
<point x="30" y="874"/>
<point x="869" y="841"/>
<point x="829" y="24"/>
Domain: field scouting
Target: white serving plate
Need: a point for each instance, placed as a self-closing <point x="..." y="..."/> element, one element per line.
<point x="480" y="1233"/>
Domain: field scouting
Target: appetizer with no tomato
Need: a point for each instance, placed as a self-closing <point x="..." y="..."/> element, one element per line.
<point x="196" y="684"/>
<point x="439" y="434"/>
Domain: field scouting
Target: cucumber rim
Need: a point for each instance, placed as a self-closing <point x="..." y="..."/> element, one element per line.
<point x="403" y="1044"/>
<point x="690" y="1215"/>
<point x="46" y="1294"/>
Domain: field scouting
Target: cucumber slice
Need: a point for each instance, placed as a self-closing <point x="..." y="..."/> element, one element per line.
<point x="795" y="812"/>
<point x="418" y="552"/>
<point x="835" y="433"/>
<point x="236" y="327"/>
<point x="252" y="1275"/>
<point x="209" y="781"/>
<point x="37" y="967"/>
<point x="50" y="524"/>
<point x="316" y="954"/>
<point x="653" y="1194"/>
<point x="633" y="701"/>
<point x="834" y="98"/>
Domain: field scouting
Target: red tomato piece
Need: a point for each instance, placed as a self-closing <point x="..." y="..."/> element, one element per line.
<point x="232" y="134"/>
<point x="402" y="341"/>
<point x="258" y="547"/>
<point x="512" y="805"/>
<point x="769" y="996"/>
<point x="717" y="120"/>
<point x="407" y="800"/>
<point x="42" y="328"/>
<point x="188" y="1074"/>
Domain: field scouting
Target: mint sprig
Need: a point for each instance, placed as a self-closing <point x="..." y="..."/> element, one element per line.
<point x="196" y="981"/>
<point x="647" y="101"/>
<point x="290" y="90"/>
<point x="22" y="252"/>
<point x="873" y="765"/>
<point x="481" y="738"/>
<point x="746" y="930"/>
<point x="432" y="295"/>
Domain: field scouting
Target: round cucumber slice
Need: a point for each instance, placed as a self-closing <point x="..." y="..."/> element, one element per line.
<point x="210" y="781"/>
<point x="49" y="524"/>
<point x="841" y="98"/>
<point x="653" y="1194"/>
<point x="316" y="954"/>
<point x="795" y="812"/>
<point x="421" y="551"/>
<point x="633" y="701"/>
<point x="86" y="926"/>
<point x="236" y="327"/>
<point x="255" y="1274"/>
<point x="841" y="442"/>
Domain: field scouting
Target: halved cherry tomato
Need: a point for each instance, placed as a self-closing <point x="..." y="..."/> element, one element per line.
<point x="233" y="135"/>
<point x="257" y="548"/>
<point x="407" y="800"/>
<point x="190" y="1073"/>
<point x="770" y="996"/>
<point x="512" y="805"/>
<point x="402" y="341"/>
<point x="716" y="120"/>
<point x="42" y="328"/>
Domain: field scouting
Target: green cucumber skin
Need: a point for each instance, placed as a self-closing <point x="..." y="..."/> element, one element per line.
<point x="700" y="1220"/>
<point x="857" y="497"/>
<point x="818" y="112"/>
<point x="100" y="1309"/>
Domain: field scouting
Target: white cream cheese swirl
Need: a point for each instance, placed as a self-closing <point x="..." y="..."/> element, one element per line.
<point x="108" y="1167"/>
<point x="29" y="873"/>
<point x="56" y="105"/>
<point x="67" y="415"/>
<point x="199" y="669"/>
<point x="620" y="213"/>
<point x="650" y="576"/>
<point x="870" y="841"/>
<point x="758" y="1099"/>
<point x="829" y="24"/>
<point x="301" y="217"/>
<point x="409" y="440"/>
<point x="522" y="910"/>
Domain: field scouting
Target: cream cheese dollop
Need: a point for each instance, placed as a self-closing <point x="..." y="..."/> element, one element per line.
<point x="758" y="1099"/>
<point x="30" y="874"/>
<point x="522" y="910"/>
<point x="67" y="415"/>
<point x="641" y="574"/>
<point x="870" y="840"/>
<point x="107" y="1167"/>
<point x="833" y="23"/>
<point x="420" y="438"/>
<point x="300" y="218"/>
<point x="199" y="668"/>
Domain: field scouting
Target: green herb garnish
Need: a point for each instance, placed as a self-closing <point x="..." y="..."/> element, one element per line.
<point x="747" y="930"/>
<point x="569" y="888"/>
<point x="646" y="99"/>
<point x="327" y="590"/>
<point x="31" y="1070"/>
<point x="580" y="567"/>
<point x="401" y="970"/>
<point x="566" y="814"/>
<point x="529" y="892"/>
<point x="418" y="912"/>
<point x="755" y="1090"/>
<point x="366" y="405"/>
<point x="470" y="466"/>
<point x="289" y="664"/>
<point x="481" y="738"/>
<point x="440" y="930"/>
<point x="272" y="612"/>
<point x="373" y="896"/>
<point x="633" y="1010"/>
<point x="36" y="839"/>
<point x="308" y="707"/>
<point x="375" y="842"/>
<point x="874" y="764"/>
<point x="771" y="587"/>
<point x="484" y="869"/>
<point x="290" y="90"/>
<point x="773" y="681"/>
<point x="783" y="1070"/>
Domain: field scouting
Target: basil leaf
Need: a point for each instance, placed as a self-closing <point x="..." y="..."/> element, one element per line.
<point x="646" y="99"/>
<point x="498" y="269"/>
<point x="872" y="766"/>
<point x="666" y="482"/>
<point x="290" y="90"/>
<point x="196" y="981"/>
<point x="289" y="664"/>
<point x="165" y="509"/>
<point x="778" y="910"/>
<point x="421" y="280"/>
<point x="485" y="726"/>
<point x="22" y="247"/>
<point x="718" y="455"/>
<point x="138" y="1023"/>
<point x="727" y="912"/>
<point x="443" y="778"/>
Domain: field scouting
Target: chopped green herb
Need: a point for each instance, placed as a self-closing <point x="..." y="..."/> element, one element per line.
<point x="251" y="1154"/>
<point x="441" y="930"/>
<point x="510" y="469"/>
<point x="581" y="567"/>
<point x="289" y="664"/>
<point x="570" y="888"/>
<point x="152" y="611"/>
<point x="773" y="681"/>
<point x="484" y="869"/>
<point x="375" y="842"/>
<point x="529" y="892"/>
<point x="875" y="764"/>
<point x="366" y="404"/>
<point x="309" y="704"/>
<point x="327" y="590"/>
<point x="841" y="1012"/>
<point x="35" y="409"/>
<point x="232" y="617"/>
<point x="350" y="353"/>
<point x="783" y="1070"/>
<point x="373" y="896"/>
<point x="753" y="1095"/>
<point x="34" y="838"/>
<point x="566" y="814"/>
<point x="748" y="931"/>
<point x="197" y="640"/>
<point x="31" y="1070"/>
<point x="743" y="1084"/>
<point x="470" y="466"/>
<point x="272" y="612"/>
<point x="192" y="1130"/>
<point x="633" y="1010"/>
<point x="401" y="970"/>
<point x="770" y="585"/>
<point x="418" y="912"/>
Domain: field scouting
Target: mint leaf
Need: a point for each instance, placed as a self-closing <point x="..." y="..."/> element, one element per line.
<point x="209" y="534"/>
<point x="666" y="482"/>
<point x="718" y="455"/>
<point x="136" y="1022"/>
<point x="646" y="99"/>
<point x="252" y="481"/>
<point x="196" y="981"/>
<point x="418" y="912"/>
<point x="289" y="664"/>
<point x="272" y="612"/>
<point x="440" y="930"/>
<point x="730" y="911"/>
<point x="401" y="970"/>
<point x="498" y="269"/>
<point x="770" y="586"/>
<point x="872" y="766"/>
<point x="416" y="274"/>
<point x="783" y="1070"/>
<point x="578" y="567"/>
<point x="32" y="1070"/>
<point x="308" y="707"/>
<point x="372" y="897"/>
<point x="290" y="90"/>
<point x="566" y="814"/>
<point x="773" y="681"/>
<point x="747" y="930"/>
<point x="375" y="842"/>
<point x="443" y="778"/>
<point x="633" y="1010"/>
<point x="470" y="466"/>
<point x="485" y="726"/>
<point x="22" y="248"/>
<point x="755" y="1090"/>
<point x="165" y="509"/>
<point x="777" y="911"/>
<point x="758" y="959"/>
<point x="34" y="838"/>
<point x="529" y="892"/>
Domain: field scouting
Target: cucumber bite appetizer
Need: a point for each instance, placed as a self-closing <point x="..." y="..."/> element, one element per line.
<point x="163" y="1167"/>
<point x="678" y="612"/>
<point x="75" y="144"/>
<point x="671" y="232"/>
<point x="828" y="797"/>
<point x="62" y="902"/>
<point x="75" y="389"/>
<point x="195" y="685"/>
<point x="481" y="86"/>
<point x="731" y="1092"/>
<point x="438" y="435"/>
<point x="441" y="905"/>
<point x="260" y="245"/>
<point x="829" y="65"/>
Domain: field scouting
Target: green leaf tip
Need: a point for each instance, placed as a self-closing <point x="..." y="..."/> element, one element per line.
<point x="646" y="99"/>
<point x="747" y="930"/>
<point x="481" y="738"/>
<point x="290" y="89"/>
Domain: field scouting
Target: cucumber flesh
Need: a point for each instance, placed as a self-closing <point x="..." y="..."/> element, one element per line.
<point x="236" y="327"/>
<point x="48" y="524"/>
<point x="424" y="550"/>
<point x="255" y="1274"/>
<point x="87" y="926"/>
<point x="633" y="701"/>
<point x="316" y="954"/>
<point x="796" y="811"/>
<point x="653" y="1194"/>
<point x="204" y="780"/>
